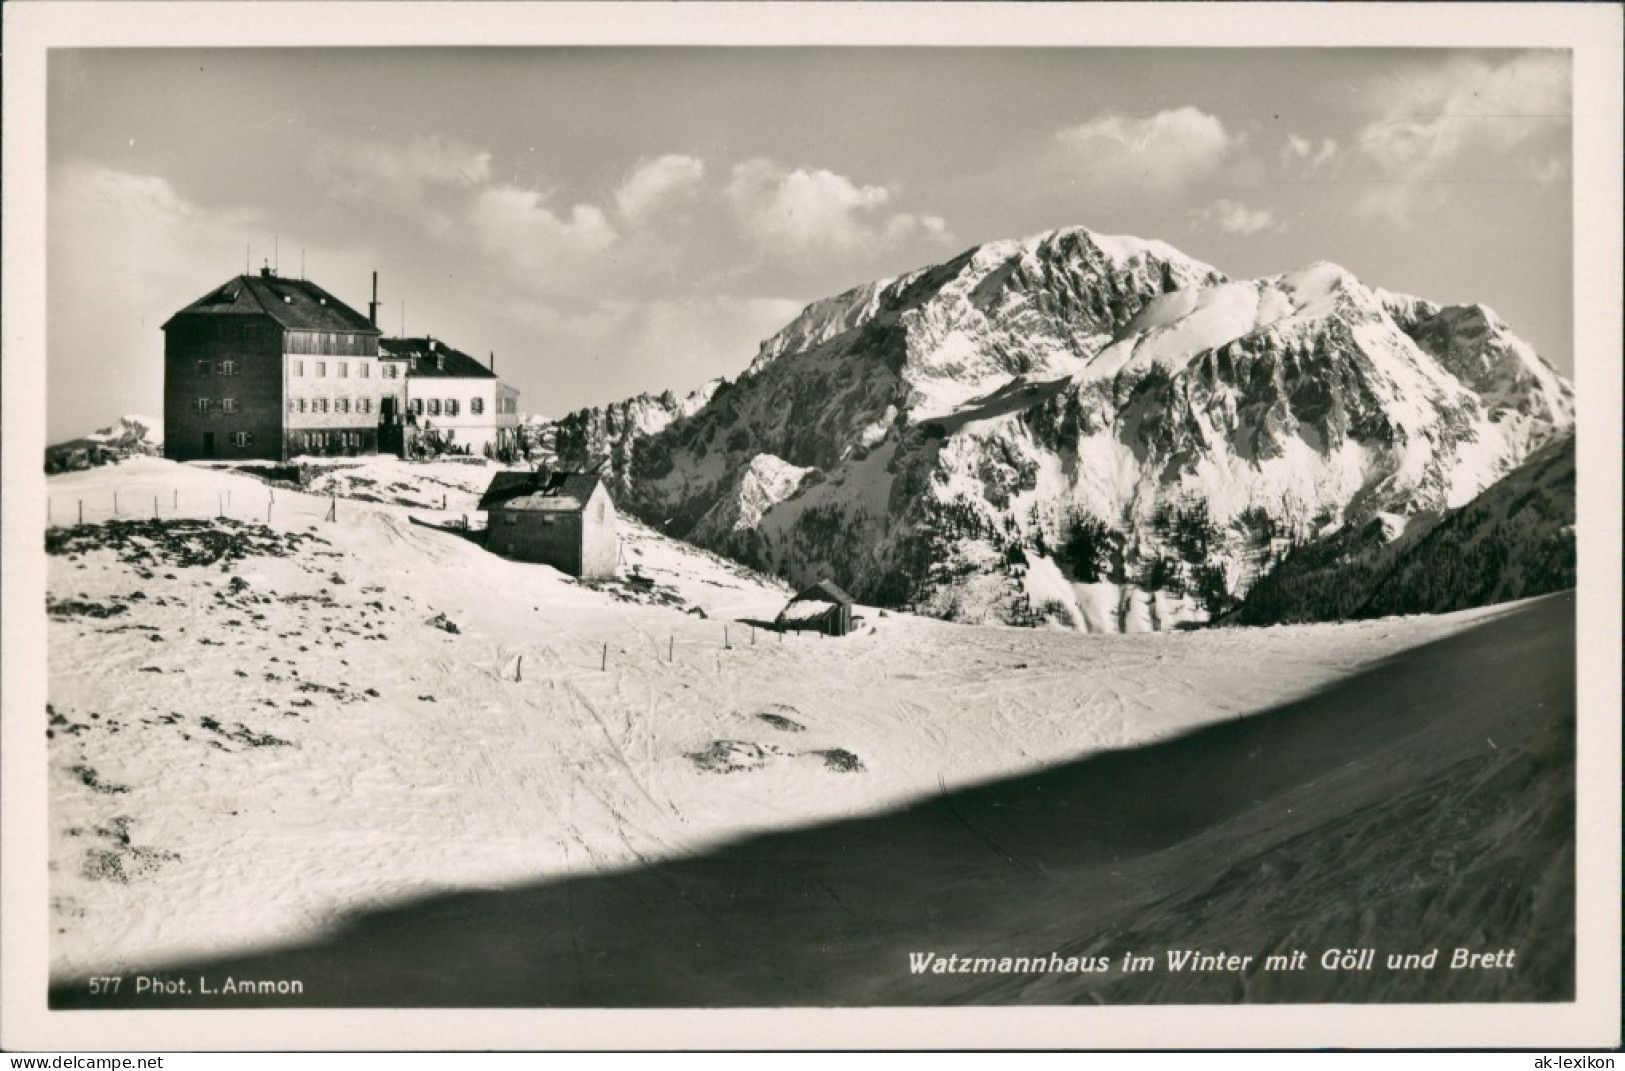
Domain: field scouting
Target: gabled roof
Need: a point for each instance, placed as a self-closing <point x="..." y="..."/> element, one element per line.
<point x="805" y="610"/>
<point x="825" y="591"/>
<point x="295" y="304"/>
<point x="432" y="357"/>
<point x="546" y="492"/>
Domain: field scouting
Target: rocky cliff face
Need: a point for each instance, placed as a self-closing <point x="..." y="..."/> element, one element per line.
<point x="588" y="437"/>
<point x="1086" y="430"/>
<point x="1514" y="541"/>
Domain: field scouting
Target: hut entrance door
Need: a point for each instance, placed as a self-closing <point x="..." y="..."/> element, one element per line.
<point x="208" y="444"/>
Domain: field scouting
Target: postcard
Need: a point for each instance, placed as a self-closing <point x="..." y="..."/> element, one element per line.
<point x="811" y="525"/>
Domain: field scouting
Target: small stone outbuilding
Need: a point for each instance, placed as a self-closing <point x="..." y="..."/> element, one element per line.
<point x="562" y="519"/>
<point x="824" y="607"/>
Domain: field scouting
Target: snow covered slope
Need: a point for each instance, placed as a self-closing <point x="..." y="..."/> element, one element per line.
<point x="1514" y="541"/>
<point x="953" y="430"/>
<point x="287" y="723"/>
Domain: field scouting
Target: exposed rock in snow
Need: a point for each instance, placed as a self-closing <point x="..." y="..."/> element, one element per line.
<point x="585" y="437"/>
<point x="764" y="483"/>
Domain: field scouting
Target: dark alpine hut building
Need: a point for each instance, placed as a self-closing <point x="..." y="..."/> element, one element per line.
<point x="824" y="607"/>
<point x="562" y="519"/>
<point x="234" y="361"/>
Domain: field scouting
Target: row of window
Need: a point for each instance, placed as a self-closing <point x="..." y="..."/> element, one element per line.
<point x="506" y="405"/>
<point x="242" y="439"/>
<point x="320" y="343"/>
<point x="323" y="440"/>
<point x="341" y="369"/>
<point x="223" y="368"/>
<point x="433" y="406"/>
<point x="451" y="407"/>
<point x="320" y="405"/>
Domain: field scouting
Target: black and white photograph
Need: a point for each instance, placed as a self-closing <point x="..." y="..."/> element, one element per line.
<point x="964" y="511"/>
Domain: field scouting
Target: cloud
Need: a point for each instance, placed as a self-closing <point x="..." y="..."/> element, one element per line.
<point x="1545" y="171"/>
<point x="655" y="184"/>
<point x="1166" y="152"/>
<point x="626" y="346"/>
<point x="1233" y="217"/>
<point x="819" y="215"/>
<point x="401" y="175"/>
<point x="518" y="223"/>
<point x="1433" y="124"/>
<point x="134" y="249"/>
<point x="1307" y="156"/>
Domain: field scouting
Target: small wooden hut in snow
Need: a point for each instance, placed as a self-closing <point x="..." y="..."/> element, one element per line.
<point x="824" y="607"/>
<point x="562" y="519"/>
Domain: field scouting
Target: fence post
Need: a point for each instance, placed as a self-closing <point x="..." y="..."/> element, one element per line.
<point x="81" y="511"/>
<point x="155" y="507"/>
<point x="219" y="507"/>
<point x="47" y="512"/>
<point x="753" y="635"/>
<point x="177" y="503"/>
<point x="726" y="646"/>
<point x="115" y="503"/>
<point x="604" y="664"/>
<point x="671" y="648"/>
<point x="519" y="669"/>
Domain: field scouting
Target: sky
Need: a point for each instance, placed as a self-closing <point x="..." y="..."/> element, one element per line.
<point x="612" y="220"/>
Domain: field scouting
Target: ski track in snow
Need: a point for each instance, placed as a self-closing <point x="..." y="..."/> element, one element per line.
<point x="457" y="775"/>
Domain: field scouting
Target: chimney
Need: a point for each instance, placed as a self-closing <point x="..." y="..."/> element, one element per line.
<point x="493" y="360"/>
<point x="372" y="306"/>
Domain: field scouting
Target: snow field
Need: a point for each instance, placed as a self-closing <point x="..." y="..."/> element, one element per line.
<point x="236" y="781"/>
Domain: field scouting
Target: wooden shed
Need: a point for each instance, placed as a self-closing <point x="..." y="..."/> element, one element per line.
<point x="562" y="519"/>
<point x="824" y="607"/>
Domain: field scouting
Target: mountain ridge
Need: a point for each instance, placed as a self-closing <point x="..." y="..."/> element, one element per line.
<point x="994" y="437"/>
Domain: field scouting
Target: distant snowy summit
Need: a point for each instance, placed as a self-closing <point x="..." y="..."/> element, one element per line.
<point x="130" y="436"/>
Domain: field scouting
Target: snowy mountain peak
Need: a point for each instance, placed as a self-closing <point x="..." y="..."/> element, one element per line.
<point x="130" y="429"/>
<point x="1091" y="430"/>
<point x="1081" y="281"/>
<point x="131" y="435"/>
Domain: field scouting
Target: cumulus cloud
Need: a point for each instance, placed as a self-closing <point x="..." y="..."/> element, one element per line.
<point x="819" y="214"/>
<point x="1165" y="152"/>
<point x="1308" y="156"/>
<point x="1432" y="122"/>
<point x="1233" y="217"/>
<point x="657" y="183"/>
<point x="520" y="223"/>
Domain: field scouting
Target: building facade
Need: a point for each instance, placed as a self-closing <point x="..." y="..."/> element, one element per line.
<point x="272" y="368"/>
<point x="452" y="396"/>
